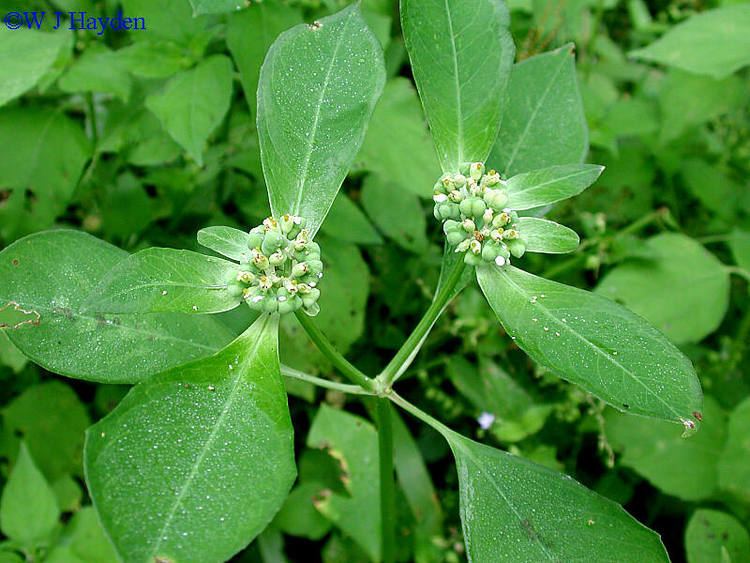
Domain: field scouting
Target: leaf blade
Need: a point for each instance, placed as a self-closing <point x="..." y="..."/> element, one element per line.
<point x="234" y="467"/>
<point x="594" y="343"/>
<point x="550" y="185"/>
<point x="158" y="280"/>
<point x="547" y="237"/>
<point x="474" y="37"/>
<point x="309" y="141"/>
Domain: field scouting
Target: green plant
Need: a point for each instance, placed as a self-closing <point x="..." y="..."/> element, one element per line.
<point x="199" y="456"/>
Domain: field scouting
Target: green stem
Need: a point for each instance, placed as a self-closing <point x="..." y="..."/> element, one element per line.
<point x="406" y="353"/>
<point x="292" y="373"/>
<point x="419" y="413"/>
<point x="387" y="485"/>
<point x="92" y="116"/>
<point x="736" y="270"/>
<point x="346" y="368"/>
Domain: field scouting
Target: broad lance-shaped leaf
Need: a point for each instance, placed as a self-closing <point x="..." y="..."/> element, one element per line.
<point x="192" y="465"/>
<point x="316" y="92"/>
<point x="166" y="280"/>
<point x="543" y="121"/>
<point x="461" y="55"/>
<point x="227" y="241"/>
<point x="550" y="185"/>
<point x="50" y="274"/>
<point x="595" y="343"/>
<point x="515" y="510"/>
<point x="546" y="236"/>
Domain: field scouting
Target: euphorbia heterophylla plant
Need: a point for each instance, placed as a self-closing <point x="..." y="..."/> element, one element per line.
<point x="199" y="456"/>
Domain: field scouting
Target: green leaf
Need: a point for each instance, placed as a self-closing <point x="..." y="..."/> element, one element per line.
<point x="543" y="122"/>
<point x="170" y="20"/>
<point x="299" y="517"/>
<point x="515" y="510"/>
<point x="85" y="541"/>
<point x="716" y="43"/>
<point x="51" y="273"/>
<point x="27" y="55"/>
<point x="53" y="150"/>
<point x="655" y="450"/>
<point x="215" y="6"/>
<point x="461" y="56"/>
<point x="734" y="471"/>
<point x="416" y="484"/>
<point x="194" y="103"/>
<point x="713" y="537"/>
<point x="397" y="213"/>
<point x="97" y="70"/>
<point x="28" y="509"/>
<point x="344" y="291"/>
<point x="546" y="236"/>
<point x="550" y="185"/>
<point x="353" y="443"/>
<point x="740" y="246"/>
<point x="383" y="152"/>
<point x="688" y="99"/>
<point x="56" y="439"/>
<point x="227" y="241"/>
<point x="249" y="35"/>
<point x="683" y="281"/>
<point x="348" y="223"/>
<point x="157" y="280"/>
<point x="153" y="58"/>
<point x="317" y="89"/>
<point x="595" y="343"/>
<point x="194" y="464"/>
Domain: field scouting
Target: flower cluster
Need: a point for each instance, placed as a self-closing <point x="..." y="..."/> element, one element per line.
<point x="472" y="206"/>
<point x="283" y="270"/>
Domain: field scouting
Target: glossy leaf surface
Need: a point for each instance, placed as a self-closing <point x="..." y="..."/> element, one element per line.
<point x="595" y="343"/>
<point x="194" y="464"/>
<point x="166" y="280"/>
<point x="543" y="122"/>
<point x="461" y="55"/>
<point x="51" y="273"/>
<point x="546" y="236"/>
<point x="317" y="89"/>
<point x="550" y="185"/>
<point x="515" y="510"/>
<point x="227" y="241"/>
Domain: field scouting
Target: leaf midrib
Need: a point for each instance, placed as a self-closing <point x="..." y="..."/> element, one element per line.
<point x="316" y="118"/>
<point x="211" y="438"/>
<point x="567" y="328"/>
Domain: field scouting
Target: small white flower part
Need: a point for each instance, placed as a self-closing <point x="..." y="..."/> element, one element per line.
<point x="440" y="198"/>
<point x="485" y="420"/>
<point x="296" y="220"/>
<point x="257" y="299"/>
<point x="281" y="298"/>
<point x="500" y="261"/>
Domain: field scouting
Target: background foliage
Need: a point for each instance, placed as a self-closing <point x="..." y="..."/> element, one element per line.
<point x="143" y="138"/>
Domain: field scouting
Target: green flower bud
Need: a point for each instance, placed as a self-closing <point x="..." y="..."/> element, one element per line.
<point x="464" y="245"/>
<point x="235" y="289"/>
<point x="286" y="306"/>
<point x="496" y="199"/>
<point x="510" y="234"/>
<point x="310" y="298"/>
<point x="476" y="170"/>
<point x="245" y="277"/>
<point x="446" y="210"/>
<point x="472" y="259"/>
<point x="469" y="205"/>
<point x="315" y="267"/>
<point x="456" y="237"/>
<point x="277" y="258"/>
<point x="260" y="261"/>
<point x="270" y="224"/>
<point x="492" y="178"/>
<point x="270" y="305"/>
<point x="459" y="180"/>
<point x="501" y="220"/>
<point x="468" y="225"/>
<point x="274" y="241"/>
<point x="517" y="247"/>
<point x="265" y="282"/>
<point x="451" y="226"/>
<point x="286" y="223"/>
<point x="490" y="251"/>
<point x="475" y="246"/>
<point x="299" y="270"/>
<point x="497" y="235"/>
<point x="456" y="196"/>
<point x="254" y="240"/>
